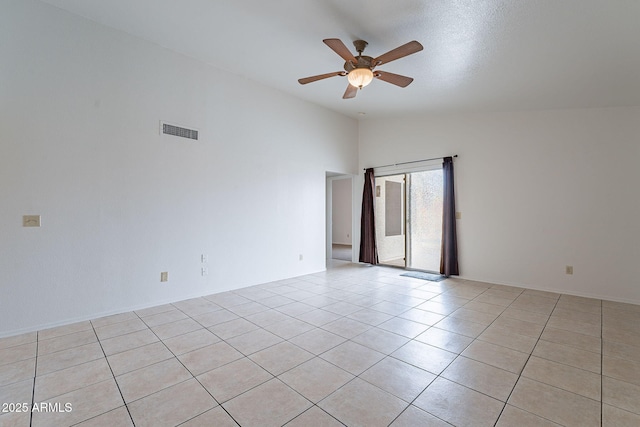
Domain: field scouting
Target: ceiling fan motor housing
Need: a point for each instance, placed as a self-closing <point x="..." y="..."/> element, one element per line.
<point x="362" y="62"/>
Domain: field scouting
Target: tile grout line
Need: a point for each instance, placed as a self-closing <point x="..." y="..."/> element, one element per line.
<point x="476" y="338"/>
<point x="528" y="357"/>
<point x="35" y="375"/>
<point x="601" y="363"/>
<point x="113" y="375"/>
<point x="559" y="388"/>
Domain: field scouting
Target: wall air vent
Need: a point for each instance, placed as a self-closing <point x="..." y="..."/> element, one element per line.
<point x="169" y="129"/>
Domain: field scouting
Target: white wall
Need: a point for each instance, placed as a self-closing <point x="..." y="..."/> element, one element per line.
<point x="341" y="211"/>
<point x="80" y="107"/>
<point x="537" y="191"/>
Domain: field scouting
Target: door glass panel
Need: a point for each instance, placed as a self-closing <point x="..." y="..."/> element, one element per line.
<point x="424" y="207"/>
<point x="393" y="207"/>
<point x="390" y="219"/>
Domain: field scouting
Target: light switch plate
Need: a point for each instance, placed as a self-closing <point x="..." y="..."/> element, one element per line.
<point x="31" y="220"/>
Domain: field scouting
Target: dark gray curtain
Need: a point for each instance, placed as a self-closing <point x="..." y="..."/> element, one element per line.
<point x="368" y="249"/>
<point x="449" y="250"/>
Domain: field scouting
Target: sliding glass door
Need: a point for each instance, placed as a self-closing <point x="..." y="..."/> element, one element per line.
<point x="409" y="219"/>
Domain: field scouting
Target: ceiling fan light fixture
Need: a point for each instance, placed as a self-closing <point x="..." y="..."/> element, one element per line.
<point x="359" y="70"/>
<point x="360" y="77"/>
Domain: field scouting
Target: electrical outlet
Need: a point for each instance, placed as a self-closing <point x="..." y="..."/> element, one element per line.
<point x="164" y="276"/>
<point x="569" y="269"/>
<point x="458" y="215"/>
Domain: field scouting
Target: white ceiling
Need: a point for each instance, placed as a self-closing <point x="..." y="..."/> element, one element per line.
<point x="479" y="55"/>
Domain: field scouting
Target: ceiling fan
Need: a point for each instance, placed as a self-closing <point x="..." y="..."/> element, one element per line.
<point x="360" y="69"/>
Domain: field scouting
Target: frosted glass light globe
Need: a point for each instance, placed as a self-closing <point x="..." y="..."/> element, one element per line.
<point x="360" y="77"/>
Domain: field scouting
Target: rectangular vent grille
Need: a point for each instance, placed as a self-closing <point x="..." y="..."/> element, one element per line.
<point x="168" y="129"/>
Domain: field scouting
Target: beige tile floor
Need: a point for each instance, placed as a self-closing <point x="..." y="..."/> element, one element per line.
<point x="356" y="346"/>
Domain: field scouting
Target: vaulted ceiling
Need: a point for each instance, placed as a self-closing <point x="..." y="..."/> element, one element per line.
<point x="479" y="55"/>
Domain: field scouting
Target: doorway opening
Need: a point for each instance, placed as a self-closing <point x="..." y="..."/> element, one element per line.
<point x="408" y="216"/>
<point x="339" y="217"/>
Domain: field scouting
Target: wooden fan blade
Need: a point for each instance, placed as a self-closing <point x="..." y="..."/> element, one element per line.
<point x="395" y="79"/>
<point x="320" y="77"/>
<point x="338" y="47"/>
<point x="399" y="52"/>
<point x="351" y="92"/>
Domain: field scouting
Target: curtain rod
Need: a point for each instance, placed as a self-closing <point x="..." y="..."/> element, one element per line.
<point x="414" y="161"/>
